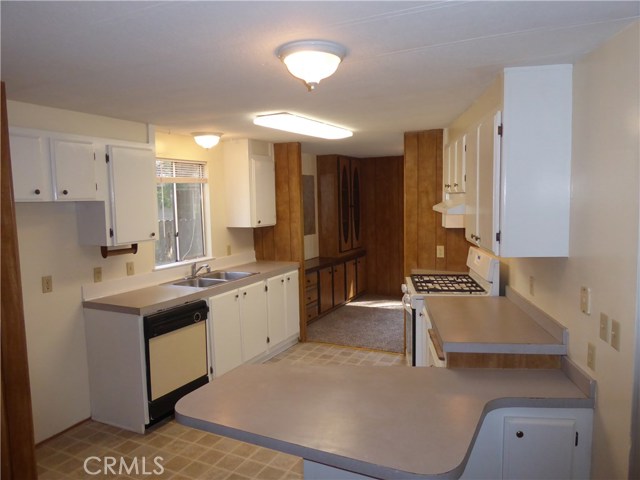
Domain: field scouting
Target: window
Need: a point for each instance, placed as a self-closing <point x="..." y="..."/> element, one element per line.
<point x="181" y="189"/>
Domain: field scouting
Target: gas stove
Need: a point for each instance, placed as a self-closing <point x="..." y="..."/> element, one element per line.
<point x="446" y="284"/>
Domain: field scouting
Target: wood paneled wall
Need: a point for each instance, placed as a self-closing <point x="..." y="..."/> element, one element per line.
<point x="382" y="218"/>
<point x="423" y="229"/>
<point x="285" y="240"/>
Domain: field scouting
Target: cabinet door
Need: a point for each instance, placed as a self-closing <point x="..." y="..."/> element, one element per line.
<point x="459" y="180"/>
<point x="326" y="289"/>
<point x="356" y="204"/>
<point x="538" y="448"/>
<point x="253" y="305"/>
<point x="276" y="309"/>
<point x="133" y="190"/>
<point x="74" y="169"/>
<point x="263" y="204"/>
<point x="448" y="167"/>
<point x="31" y="168"/>
<point x="344" y="204"/>
<point x="471" y="195"/>
<point x="292" y="303"/>
<point x="339" y="284"/>
<point x="361" y="274"/>
<point x="488" y="182"/>
<point x="226" y="340"/>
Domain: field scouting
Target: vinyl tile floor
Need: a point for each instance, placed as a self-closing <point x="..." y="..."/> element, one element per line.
<point x="172" y="451"/>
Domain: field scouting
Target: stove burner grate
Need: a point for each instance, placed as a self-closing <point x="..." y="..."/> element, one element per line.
<point x="445" y="283"/>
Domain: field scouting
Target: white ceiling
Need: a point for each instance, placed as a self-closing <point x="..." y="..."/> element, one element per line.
<point x="210" y="65"/>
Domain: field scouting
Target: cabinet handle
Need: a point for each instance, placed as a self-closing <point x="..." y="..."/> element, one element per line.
<point x="455" y="184"/>
<point x="282" y="281"/>
<point x="259" y="222"/>
<point x="65" y="192"/>
<point x="37" y="191"/>
<point x="244" y="294"/>
<point x="519" y="434"/>
<point x="237" y="296"/>
<point x="153" y="234"/>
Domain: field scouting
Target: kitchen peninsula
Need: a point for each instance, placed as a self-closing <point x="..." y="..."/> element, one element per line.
<point x="360" y="422"/>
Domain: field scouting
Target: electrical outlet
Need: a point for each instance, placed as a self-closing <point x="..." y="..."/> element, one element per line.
<point x="440" y="251"/>
<point x="604" y="327"/>
<point x="97" y="274"/>
<point x="47" y="284"/>
<point x="532" y="282"/>
<point x="591" y="356"/>
<point x="585" y="300"/>
<point x="228" y="249"/>
<point x="131" y="270"/>
<point x="615" y="334"/>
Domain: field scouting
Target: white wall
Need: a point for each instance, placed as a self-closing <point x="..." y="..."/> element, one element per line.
<point x="603" y="240"/>
<point x="48" y="244"/>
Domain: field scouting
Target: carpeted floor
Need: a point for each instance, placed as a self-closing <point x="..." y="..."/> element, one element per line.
<point x="369" y="322"/>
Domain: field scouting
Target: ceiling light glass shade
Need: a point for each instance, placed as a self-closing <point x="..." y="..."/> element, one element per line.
<point x="304" y="126"/>
<point x="311" y="60"/>
<point x="206" y="140"/>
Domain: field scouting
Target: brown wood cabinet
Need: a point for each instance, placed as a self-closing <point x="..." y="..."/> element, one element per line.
<point x="340" y="204"/>
<point x="332" y="282"/>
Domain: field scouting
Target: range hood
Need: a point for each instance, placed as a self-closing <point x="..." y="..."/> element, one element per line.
<point x="452" y="205"/>
<point x="452" y="210"/>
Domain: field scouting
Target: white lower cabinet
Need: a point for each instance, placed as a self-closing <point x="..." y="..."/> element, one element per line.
<point x="254" y="322"/>
<point x="283" y="307"/>
<point x="226" y="338"/>
<point x="253" y="305"/>
<point x="533" y="443"/>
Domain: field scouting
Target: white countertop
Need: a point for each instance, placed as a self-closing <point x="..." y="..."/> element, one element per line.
<point x="385" y="422"/>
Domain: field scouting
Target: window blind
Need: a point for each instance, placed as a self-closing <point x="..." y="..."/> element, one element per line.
<point x="178" y="171"/>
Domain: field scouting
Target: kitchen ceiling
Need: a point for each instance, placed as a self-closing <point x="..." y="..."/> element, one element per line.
<point x="211" y="65"/>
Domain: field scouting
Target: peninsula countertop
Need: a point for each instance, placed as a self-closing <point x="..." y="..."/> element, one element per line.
<point x="384" y="422"/>
<point x="151" y="299"/>
<point x="488" y="324"/>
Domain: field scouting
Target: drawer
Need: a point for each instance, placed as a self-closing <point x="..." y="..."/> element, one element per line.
<point x="312" y="311"/>
<point x="311" y="294"/>
<point x="311" y="279"/>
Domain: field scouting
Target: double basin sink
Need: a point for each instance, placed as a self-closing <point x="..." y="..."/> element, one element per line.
<point x="212" y="278"/>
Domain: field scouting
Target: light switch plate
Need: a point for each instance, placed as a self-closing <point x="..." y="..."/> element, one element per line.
<point x="604" y="327"/>
<point x="615" y="334"/>
<point x="97" y="274"/>
<point x="585" y="300"/>
<point x="440" y="251"/>
<point x="47" y="284"/>
<point x="131" y="270"/>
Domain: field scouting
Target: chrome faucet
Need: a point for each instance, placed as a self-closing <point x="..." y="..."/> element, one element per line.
<point x="195" y="270"/>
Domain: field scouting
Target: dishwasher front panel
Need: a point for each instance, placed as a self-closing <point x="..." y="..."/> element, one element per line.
<point x="177" y="358"/>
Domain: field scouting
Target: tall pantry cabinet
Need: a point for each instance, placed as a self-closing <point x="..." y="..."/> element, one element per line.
<point x="339" y="204"/>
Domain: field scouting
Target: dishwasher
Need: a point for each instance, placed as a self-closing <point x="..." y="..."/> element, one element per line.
<point x="176" y="356"/>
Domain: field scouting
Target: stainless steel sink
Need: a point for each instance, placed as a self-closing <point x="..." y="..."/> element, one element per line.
<point x="199" y="282"/>
<point x="226" y="275"/>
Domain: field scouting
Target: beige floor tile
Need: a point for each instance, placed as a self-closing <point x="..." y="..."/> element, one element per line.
<point x="230" y="462"/>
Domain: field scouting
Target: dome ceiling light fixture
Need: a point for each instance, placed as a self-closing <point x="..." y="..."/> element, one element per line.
<point x="206" y="140"/>
<point x="289" y="122"/>
<point x="311" y="60"/>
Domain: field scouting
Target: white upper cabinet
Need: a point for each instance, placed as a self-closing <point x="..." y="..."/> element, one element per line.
<point x="31" y="167"/>
<point x="132" y="178"/>
<point x="519" y="167"/>
<point x="127" y="210"/>
<point x="74" y="169"/>
<point x="454" y="164"/>
<point x="250" y="183"/>
<point x="49" y="166"/>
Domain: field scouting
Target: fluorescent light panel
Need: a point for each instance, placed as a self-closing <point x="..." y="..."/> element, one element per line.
<point x="304" y="126"/>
